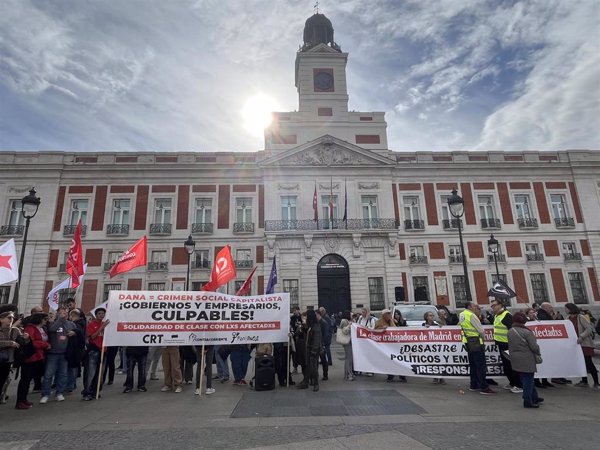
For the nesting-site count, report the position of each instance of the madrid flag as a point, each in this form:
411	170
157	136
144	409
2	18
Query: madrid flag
9	270
223	270
134	257
75	257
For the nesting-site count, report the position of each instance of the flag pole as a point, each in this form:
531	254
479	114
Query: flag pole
202	366
287	374
100	373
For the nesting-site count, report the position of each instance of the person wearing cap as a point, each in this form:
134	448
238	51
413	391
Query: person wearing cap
383	323
524	353
95	345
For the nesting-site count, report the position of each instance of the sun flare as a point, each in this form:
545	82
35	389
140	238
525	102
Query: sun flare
257	113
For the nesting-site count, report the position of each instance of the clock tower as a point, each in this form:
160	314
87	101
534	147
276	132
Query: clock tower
320	78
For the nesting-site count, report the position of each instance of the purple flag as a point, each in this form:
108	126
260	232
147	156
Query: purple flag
272	278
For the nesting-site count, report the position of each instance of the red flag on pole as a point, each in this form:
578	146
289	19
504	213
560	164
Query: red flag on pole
74	265
134	257
223	270
331	203
315	205
245	289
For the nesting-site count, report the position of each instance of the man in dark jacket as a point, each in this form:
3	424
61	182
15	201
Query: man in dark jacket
312	350
75	349
326	338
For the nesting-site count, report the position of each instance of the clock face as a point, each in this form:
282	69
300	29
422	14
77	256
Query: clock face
323	82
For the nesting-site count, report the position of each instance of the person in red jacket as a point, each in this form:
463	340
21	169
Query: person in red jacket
36	329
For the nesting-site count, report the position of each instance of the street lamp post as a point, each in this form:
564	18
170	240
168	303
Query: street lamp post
494	248
456	205
29	208
190	246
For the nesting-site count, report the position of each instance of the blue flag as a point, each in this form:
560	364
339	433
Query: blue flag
272	278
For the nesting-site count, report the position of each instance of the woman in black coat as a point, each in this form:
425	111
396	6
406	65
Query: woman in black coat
312	351
75	349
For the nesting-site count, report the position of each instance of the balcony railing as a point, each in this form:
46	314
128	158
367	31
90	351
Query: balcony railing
12	230
325	224
527	223
160	229
244	264
455	259
158	266
499	257
572	256
564	222
534	257
451	224
202	228
243	227
69	230
414	225
117	229
201	264
490	223
418	260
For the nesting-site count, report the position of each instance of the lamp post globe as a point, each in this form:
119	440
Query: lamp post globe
190	246
29	208
456	204
494	248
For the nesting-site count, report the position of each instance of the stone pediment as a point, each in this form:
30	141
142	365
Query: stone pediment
321	48
327	151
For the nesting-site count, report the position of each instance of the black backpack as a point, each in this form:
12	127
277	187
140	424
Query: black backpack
26	350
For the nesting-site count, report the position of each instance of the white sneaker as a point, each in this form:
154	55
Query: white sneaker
165	389
60	398
508	387
44	400
178	389
210	391
516	390
197	391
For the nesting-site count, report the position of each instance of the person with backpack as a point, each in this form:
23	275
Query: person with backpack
585	338
35	363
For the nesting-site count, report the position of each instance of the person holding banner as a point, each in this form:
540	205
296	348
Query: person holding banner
345	329
503	323
524	353
172	369
209	352
473	339
585	333
312	350
95	347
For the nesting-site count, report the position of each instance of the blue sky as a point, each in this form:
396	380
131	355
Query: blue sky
175	75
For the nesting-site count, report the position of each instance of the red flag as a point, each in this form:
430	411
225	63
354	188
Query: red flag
134	257
245	289
331	204
223	270
75	257
315	205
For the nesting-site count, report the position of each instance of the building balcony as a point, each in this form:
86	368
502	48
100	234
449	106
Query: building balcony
527	223
160	229
534	257
69	230
564	222
455	259
244	264
417	260
12	230
201	264
451	224
117	229
414	225
326	224
499	257
572	257
158	266
202	228
243	227
487	224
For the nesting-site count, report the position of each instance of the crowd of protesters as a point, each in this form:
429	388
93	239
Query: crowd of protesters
52	351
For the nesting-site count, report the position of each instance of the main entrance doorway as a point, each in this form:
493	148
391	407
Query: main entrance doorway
333	283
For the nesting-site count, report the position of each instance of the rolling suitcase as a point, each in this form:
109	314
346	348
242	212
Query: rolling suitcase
264	373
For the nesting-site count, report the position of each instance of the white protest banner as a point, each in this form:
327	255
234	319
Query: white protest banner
438	351
149	318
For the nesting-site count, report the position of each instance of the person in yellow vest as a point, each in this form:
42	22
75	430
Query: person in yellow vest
473	338
502	323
